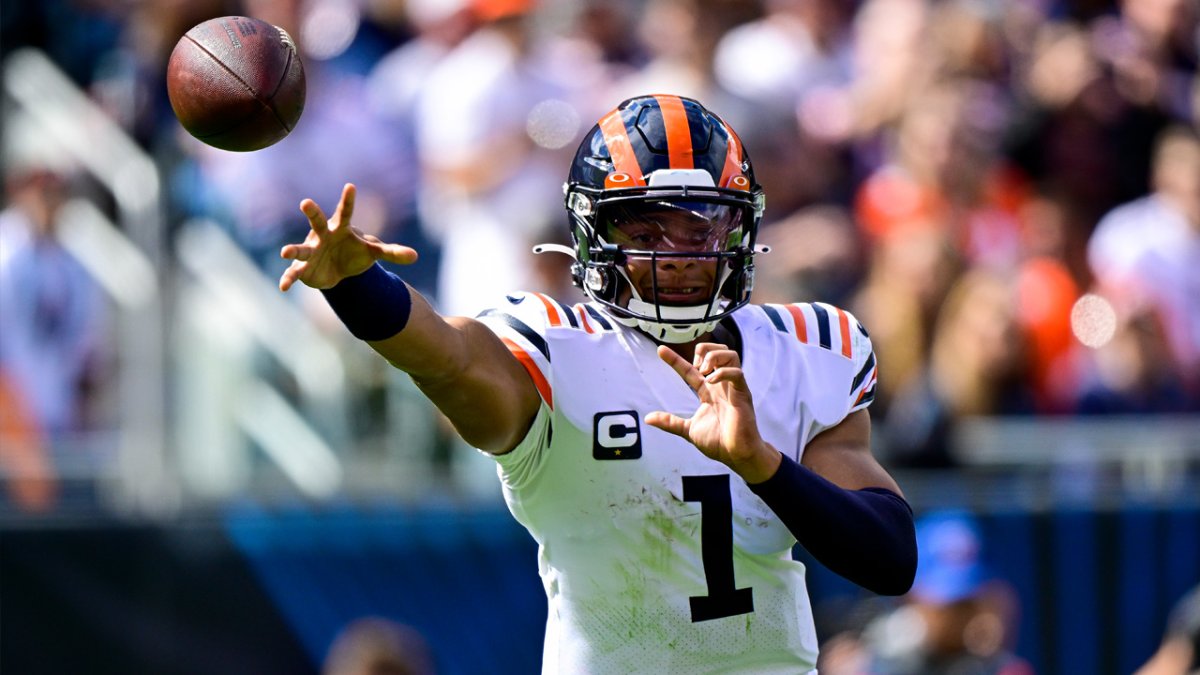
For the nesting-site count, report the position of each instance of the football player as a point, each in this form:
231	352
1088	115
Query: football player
666	443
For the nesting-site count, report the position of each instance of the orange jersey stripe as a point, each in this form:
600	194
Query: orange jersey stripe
583	317
801	325
845	324
617	139
733	158
535	373
551	310
679	134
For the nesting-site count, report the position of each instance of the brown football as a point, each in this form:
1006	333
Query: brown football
236	83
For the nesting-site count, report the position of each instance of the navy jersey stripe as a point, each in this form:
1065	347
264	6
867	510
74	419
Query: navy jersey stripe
598	317
773	315
822	325
567	311
525	331
862	374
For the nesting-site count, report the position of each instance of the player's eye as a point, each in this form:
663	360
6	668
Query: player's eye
644	239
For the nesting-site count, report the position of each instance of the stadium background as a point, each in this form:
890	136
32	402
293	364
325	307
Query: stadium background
204	475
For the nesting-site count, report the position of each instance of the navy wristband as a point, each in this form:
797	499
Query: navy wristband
374	305
867	535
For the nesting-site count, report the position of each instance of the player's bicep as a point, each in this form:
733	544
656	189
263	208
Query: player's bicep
494	396
842	455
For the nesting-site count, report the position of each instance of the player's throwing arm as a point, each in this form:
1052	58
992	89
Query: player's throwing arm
464	369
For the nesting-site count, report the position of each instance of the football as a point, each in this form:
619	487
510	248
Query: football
236	83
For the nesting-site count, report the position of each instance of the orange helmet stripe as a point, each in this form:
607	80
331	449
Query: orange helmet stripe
678	132
619	147
733	157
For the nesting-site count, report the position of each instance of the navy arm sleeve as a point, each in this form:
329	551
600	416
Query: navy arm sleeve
867	535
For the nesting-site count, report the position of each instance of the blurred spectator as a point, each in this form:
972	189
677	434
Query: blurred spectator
1164	220
815	253
31	484
1133	372
1046	292
378	646
1179	653
944	171
1150	248
958	618
492	123
53	310
798	46
977	366
905	286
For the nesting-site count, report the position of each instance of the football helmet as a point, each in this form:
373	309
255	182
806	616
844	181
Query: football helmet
664	211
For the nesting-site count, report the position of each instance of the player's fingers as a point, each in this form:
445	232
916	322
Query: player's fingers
395	253
345	209
716	357
290	275
316	217
391	252
669	423
732	375
680	365
705	348
296	252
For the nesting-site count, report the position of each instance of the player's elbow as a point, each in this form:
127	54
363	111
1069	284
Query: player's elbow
898	582
898	566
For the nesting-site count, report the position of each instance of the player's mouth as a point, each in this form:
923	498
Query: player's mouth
681	295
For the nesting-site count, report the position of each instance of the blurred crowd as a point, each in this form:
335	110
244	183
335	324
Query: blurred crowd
1006	193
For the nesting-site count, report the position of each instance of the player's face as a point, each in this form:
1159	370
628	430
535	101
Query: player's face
673	228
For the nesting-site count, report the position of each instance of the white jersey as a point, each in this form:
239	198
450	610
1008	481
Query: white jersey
654	558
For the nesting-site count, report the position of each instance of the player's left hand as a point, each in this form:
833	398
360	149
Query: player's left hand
724	427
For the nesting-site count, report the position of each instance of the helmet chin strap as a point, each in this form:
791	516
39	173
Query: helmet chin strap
680	324
667	332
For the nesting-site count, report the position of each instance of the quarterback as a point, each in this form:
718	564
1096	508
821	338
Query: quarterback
666	443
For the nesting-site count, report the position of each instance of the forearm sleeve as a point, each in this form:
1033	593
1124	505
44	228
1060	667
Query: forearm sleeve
867	535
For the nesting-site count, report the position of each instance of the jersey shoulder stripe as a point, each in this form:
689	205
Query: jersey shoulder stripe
555	314
535	372
800	321
835	330
521	328
866	396
823	332
867	369
562	310
525	343
776	320
795	324
599	318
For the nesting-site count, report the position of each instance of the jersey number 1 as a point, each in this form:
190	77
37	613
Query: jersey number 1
716	548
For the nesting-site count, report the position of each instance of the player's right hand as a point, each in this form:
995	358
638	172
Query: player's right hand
333	250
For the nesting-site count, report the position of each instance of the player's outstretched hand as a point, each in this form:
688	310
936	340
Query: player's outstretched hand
334	250
724	427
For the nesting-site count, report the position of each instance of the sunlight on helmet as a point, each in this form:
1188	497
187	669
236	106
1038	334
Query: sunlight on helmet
1093	320
552	124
